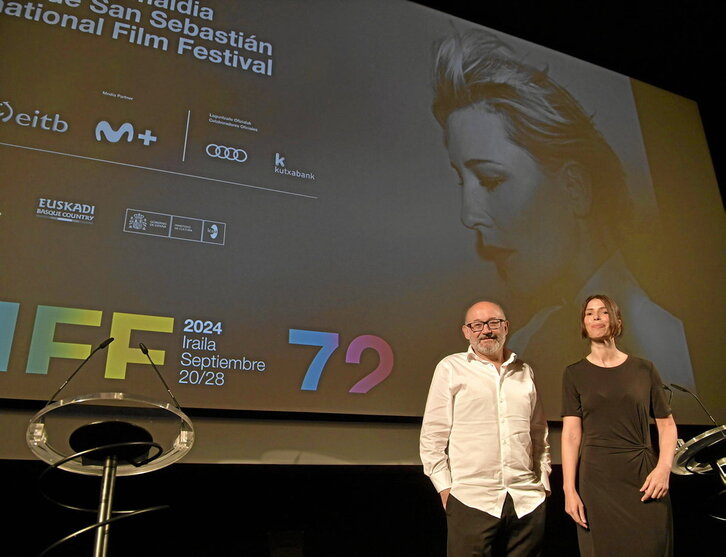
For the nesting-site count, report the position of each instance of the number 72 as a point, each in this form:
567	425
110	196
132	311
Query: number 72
328	343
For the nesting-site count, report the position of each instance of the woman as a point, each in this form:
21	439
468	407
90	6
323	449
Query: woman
548	199
622	507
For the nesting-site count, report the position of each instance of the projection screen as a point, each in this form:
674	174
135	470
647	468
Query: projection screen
261	194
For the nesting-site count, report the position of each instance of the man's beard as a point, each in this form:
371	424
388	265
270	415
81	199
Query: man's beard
489	348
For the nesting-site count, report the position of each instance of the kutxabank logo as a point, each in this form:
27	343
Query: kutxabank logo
281	168
35	119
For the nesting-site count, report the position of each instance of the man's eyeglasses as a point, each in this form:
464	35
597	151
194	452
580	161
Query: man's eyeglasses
478	326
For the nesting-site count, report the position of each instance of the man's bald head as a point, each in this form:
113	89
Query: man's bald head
483	307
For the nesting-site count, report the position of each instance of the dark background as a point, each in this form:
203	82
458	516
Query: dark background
350	511
289	511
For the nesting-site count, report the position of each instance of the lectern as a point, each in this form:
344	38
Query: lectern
108	435
705	453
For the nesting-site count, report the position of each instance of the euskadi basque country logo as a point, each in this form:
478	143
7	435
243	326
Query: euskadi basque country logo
222	152
66	211
125	132
34	119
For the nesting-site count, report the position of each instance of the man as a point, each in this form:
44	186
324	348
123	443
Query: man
484	444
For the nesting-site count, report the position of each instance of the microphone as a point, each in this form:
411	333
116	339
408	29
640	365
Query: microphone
684	390
146	353
105	343
101	346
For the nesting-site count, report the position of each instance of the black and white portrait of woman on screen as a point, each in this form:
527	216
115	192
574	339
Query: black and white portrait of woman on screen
549	199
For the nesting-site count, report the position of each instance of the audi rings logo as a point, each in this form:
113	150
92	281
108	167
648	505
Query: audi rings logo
226	153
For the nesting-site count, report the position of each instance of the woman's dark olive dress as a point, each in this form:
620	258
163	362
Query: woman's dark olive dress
616	405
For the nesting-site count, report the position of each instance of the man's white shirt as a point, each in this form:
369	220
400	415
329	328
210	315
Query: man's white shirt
484	434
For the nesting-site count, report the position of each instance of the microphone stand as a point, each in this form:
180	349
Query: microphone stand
146	353
684	390
101	346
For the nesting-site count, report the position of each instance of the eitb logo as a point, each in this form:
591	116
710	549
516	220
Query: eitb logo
35	119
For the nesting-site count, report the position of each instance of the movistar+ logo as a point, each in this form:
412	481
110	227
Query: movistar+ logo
104	131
